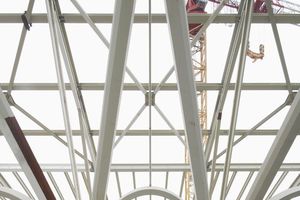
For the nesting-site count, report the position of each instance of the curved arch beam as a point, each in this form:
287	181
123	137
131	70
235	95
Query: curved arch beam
12	194
150	191
288	194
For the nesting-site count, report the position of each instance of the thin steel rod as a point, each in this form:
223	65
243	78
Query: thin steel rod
37	122
231	181
4	181
70	183
90	22
163	81
118	184
135	80
296	182
80	107
169	124
227	74
150	91
182	184
213	184
208	22
277	184
279	46
72	74
216	145
24	186
104	40
62	92
254	128
167	181
245	185
129	125
134	181
237	94
56	187
87	180
20	48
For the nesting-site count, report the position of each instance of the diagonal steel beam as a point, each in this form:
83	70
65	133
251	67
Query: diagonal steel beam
74	82
208	22
62	92
227	74
123	17
22	151
176	16
279	149
279	46
20	48
237	93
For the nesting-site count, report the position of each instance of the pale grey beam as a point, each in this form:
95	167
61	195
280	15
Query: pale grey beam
4	182
56	187
230	182
156	18
227	73
19	108
213	184
178	29
245	185
70	183
160	167
237	93
278	44
120	35
296	182
278	151
254	127
57	51
278	183
20	48
23	185
118	184
164	87
77	94
262	132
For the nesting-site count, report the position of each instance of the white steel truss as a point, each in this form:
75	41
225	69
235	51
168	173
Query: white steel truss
90	171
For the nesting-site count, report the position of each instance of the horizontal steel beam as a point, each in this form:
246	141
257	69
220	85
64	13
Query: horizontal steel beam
264	132
246	167
156	18
166	86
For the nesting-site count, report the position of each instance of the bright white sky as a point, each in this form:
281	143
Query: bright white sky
37	66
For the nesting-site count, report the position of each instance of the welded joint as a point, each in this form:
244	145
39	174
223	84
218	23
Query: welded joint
290	98
10	99
151	100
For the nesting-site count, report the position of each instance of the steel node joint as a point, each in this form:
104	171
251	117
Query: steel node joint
150	100
10	99
290	98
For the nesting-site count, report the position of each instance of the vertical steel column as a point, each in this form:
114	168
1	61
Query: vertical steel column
237	94
278	151
178	26
22	151
62	92
122	21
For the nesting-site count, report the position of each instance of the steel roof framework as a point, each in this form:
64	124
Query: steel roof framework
182	59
